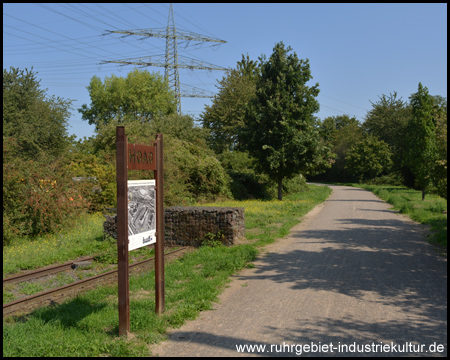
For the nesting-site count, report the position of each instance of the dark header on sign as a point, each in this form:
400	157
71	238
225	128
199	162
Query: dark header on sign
141	157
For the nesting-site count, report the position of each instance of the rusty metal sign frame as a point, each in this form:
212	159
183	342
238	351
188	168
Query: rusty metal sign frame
138	157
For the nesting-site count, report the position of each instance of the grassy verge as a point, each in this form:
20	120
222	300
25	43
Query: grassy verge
88	324
409	202
84	238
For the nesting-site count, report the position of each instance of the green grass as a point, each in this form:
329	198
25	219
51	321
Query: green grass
272	219
84	238
88	324
409	202
29	288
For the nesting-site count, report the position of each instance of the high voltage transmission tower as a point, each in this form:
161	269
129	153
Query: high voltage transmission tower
171	61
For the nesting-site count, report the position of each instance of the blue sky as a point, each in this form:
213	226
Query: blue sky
357	52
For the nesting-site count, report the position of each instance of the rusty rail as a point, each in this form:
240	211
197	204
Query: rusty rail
44	271
54	296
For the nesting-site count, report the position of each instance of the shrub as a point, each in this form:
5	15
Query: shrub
369	158
213	240
394	178
102	191
439	177
192	173
38	197
245	182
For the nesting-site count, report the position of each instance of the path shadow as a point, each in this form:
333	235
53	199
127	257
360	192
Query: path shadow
355	200
350	330
387	257
370	340
70	313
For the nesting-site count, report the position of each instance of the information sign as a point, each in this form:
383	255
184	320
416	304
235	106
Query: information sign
141	213
140	216
141	157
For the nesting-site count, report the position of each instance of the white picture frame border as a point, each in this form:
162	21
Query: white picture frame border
136	241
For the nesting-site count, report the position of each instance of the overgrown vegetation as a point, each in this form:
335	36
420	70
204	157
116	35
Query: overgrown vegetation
88	324
432	211
258	142
48	182
416	137
38	195
83	237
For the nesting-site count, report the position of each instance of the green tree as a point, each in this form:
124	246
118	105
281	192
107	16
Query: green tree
388	120
35	121
340	133
226	115
421	153
140	96
280	129
191	170
439	175
38	193
368	158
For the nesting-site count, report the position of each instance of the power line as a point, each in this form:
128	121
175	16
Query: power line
123	21
343	102
84	49
69	17
61	49
140	13
50	31
171	61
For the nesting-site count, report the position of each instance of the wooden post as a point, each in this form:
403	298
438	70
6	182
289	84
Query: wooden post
122	230
159	246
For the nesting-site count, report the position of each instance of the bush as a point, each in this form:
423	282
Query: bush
245	182
295	185
439	177
101	192
394	178
192	173
213	240
369	158
38	197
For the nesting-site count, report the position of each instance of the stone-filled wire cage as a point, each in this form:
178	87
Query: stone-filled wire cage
191	225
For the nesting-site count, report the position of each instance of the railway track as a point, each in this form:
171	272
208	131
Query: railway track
44	271
57	295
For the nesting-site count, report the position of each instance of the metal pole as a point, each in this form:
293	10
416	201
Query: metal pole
159	246
122	230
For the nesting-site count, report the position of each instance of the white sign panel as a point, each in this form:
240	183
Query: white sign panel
141	213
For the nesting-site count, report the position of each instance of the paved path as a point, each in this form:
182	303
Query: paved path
351	273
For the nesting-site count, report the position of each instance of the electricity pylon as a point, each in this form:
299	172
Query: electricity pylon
171	61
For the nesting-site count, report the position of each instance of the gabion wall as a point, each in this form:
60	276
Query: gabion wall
192	225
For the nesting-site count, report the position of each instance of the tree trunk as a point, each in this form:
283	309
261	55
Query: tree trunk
423	195
280	189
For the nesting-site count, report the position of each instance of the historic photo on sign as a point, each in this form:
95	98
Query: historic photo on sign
141	213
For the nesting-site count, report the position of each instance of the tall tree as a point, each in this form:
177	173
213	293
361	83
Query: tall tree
388	120
280	129
421	154
440	171
34	121
140	96
341	133
226	115
368	158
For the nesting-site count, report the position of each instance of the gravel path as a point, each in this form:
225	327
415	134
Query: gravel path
353	275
